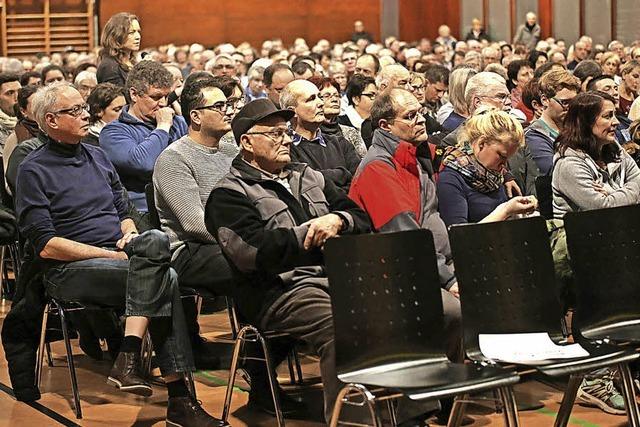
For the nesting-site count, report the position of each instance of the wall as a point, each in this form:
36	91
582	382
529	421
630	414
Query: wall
215	21
421	18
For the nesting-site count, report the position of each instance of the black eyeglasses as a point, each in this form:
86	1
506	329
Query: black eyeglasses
222	107
274	135
75	111
371	96
327	96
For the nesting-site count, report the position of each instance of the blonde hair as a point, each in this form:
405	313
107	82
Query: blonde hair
608	55
457	83
490	125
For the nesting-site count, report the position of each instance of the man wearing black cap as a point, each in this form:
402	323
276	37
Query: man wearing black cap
271	218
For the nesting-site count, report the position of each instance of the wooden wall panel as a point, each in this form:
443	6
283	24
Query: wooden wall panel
420	18
215	21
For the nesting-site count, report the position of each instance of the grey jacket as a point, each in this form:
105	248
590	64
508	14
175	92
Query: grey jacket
575	174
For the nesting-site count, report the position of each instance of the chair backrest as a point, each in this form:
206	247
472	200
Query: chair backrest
544	193
506	279
154	218
604	250
385	298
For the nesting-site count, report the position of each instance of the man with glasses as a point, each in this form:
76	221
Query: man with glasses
335	157
71	209
183	177
272	218
557	88
398	194
144	129
224	65
276	77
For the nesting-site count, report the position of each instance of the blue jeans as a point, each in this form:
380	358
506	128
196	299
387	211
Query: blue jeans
143	285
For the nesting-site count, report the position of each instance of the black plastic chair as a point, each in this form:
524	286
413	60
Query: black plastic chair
389	334
507	285
604	248
544	193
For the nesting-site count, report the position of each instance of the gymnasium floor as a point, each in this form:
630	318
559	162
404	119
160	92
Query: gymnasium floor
102	405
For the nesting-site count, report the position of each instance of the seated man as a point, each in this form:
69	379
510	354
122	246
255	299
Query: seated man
71	208
183	178
271	218
392	186
334	157
145	127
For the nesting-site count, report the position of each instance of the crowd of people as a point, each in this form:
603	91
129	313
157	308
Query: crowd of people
255	155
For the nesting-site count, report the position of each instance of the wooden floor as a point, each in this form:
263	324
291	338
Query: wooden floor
102	405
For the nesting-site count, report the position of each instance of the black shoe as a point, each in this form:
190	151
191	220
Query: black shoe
113	345
91	346
206	354
126	375
260	398
186	411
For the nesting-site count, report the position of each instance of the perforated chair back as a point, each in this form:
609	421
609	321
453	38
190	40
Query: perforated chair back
544	193
506	279
385	298
154	218
604	247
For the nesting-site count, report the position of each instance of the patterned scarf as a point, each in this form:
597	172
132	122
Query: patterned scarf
462	160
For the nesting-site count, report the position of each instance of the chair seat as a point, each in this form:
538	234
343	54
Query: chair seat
621	333
600	356
434	380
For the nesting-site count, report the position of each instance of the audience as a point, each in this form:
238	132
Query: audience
419	134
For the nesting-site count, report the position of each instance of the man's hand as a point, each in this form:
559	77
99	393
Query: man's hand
512	188
164	118
120	244
454	290
321	229
120	255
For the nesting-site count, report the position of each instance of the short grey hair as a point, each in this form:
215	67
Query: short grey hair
288	98
44	101
482	83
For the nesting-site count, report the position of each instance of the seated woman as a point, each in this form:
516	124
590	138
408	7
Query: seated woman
471	183
591	171
105	103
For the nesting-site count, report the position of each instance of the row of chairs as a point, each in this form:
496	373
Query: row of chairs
387	309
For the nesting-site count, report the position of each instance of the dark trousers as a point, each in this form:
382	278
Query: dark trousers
144	285
306	315
201	266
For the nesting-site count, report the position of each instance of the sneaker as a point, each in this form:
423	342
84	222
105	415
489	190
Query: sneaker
126	375
601	392
186	411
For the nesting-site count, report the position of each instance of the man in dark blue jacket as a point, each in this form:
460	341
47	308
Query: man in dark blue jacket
145	127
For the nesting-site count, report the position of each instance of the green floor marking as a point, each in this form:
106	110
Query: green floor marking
219	381
572	420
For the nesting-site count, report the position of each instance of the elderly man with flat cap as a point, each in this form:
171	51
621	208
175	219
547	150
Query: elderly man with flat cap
271	218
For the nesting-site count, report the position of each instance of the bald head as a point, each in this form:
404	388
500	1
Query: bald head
303	97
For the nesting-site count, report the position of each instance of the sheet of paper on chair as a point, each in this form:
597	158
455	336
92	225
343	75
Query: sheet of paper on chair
526	348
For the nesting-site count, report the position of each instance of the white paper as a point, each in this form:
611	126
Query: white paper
526	348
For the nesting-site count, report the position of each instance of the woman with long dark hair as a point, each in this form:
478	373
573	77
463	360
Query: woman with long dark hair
120	43
591	171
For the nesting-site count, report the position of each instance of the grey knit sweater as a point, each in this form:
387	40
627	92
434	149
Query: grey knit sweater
183	177
575	174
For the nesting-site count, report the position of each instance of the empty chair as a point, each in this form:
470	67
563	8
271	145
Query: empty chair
388	321
507	285
604	247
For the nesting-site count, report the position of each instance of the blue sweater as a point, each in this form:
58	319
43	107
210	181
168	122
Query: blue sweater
69	191
133	147
540	140
459	203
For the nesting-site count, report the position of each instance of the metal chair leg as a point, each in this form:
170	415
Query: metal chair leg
41	346
273	381
296	360
628	391
392	412
511	418
47	347
3	282
232	372
191	383
146	353
233	318
457	411
292	374
72	368
568	400
367	397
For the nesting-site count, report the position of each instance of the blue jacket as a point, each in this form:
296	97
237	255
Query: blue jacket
540	142
133	147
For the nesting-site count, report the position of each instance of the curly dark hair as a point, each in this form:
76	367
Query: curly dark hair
148	73
101	97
